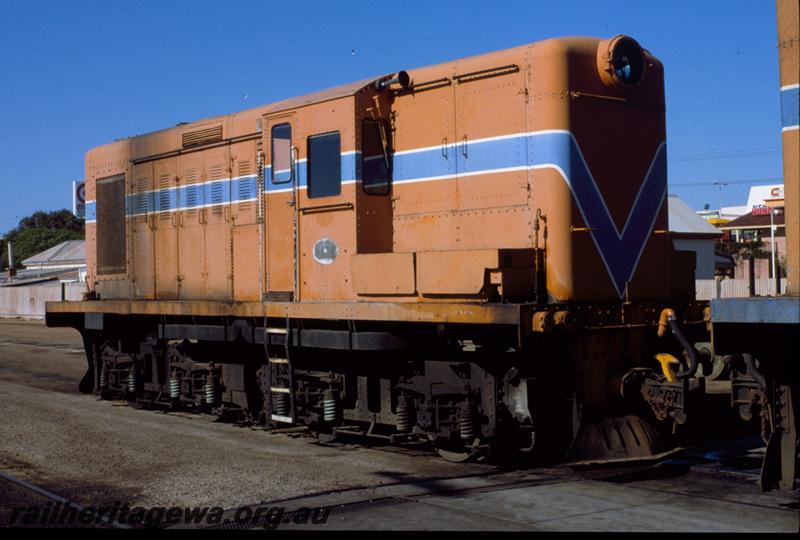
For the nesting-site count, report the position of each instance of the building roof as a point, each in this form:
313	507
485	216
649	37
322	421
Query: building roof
65	253
749	221
683	221
732	212
31	277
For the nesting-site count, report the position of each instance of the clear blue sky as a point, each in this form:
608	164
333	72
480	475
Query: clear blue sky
78	74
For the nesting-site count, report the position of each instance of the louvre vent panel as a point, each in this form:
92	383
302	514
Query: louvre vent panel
193	194
164	201
246	185
216	190
202	136
216	193
141	199
216	172
111	224
247	190
164	195
190	177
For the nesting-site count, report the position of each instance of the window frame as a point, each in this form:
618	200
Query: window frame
390	152
272	153
310	164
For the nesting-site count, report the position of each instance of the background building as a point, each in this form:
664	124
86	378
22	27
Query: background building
54	274
690	232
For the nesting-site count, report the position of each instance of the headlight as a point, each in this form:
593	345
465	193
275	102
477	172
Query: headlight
620	60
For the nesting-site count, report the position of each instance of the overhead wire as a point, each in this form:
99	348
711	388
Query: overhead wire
726	154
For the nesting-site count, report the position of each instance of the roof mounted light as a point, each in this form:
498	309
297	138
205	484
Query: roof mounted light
620	60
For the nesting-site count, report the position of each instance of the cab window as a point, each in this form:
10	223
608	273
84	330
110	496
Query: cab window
376	157
324	165
281	153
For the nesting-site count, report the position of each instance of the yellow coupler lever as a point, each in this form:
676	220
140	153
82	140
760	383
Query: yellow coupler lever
665	360
663	321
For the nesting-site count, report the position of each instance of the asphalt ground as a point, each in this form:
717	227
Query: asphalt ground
105	454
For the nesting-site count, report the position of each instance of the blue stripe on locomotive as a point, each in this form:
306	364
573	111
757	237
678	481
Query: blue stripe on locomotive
556	149
790	107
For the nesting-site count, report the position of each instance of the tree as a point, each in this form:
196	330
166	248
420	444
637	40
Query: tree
741	251
41	231
58	219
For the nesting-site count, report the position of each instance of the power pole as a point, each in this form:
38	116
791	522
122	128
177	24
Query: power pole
720	184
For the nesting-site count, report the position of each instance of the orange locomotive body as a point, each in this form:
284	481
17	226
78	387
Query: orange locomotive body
441	252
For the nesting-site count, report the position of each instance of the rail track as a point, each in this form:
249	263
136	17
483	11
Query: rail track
717	482
54	519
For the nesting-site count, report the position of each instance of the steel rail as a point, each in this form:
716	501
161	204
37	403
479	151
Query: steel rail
57	498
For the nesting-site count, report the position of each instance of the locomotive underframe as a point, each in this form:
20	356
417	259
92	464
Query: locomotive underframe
764	378
522	382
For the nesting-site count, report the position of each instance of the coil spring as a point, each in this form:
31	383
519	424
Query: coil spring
211	391
466	421
174	387
104	377
281	404
132	381
329	406
403	414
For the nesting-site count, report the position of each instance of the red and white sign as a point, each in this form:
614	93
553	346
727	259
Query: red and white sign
764	210
79	198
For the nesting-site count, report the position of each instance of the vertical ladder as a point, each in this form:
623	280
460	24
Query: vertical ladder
280	377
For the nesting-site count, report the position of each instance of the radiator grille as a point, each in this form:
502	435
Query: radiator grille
202	136
111	224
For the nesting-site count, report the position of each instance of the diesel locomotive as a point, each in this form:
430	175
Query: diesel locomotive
474	254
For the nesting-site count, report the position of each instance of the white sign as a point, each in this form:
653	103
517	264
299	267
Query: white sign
776	192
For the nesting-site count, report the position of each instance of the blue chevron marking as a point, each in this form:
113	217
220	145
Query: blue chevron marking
620	250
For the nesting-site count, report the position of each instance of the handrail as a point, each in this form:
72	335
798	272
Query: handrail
327	208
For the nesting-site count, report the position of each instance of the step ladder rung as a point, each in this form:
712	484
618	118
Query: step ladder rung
278	361
275	330
284	419
279	390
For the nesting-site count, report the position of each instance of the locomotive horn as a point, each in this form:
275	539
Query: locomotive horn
401	77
